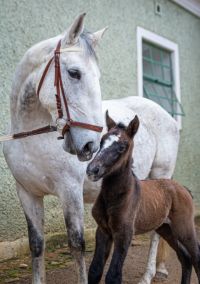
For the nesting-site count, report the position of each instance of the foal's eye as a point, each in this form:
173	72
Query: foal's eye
75	74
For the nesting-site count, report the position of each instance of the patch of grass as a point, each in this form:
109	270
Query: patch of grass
55	241
57	255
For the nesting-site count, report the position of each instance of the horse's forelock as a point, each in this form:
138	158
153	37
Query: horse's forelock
85	40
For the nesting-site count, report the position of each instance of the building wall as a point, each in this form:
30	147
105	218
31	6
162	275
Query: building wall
25	22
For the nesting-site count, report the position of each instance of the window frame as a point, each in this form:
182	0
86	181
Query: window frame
145	35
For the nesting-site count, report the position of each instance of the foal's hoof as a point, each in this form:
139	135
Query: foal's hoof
160	276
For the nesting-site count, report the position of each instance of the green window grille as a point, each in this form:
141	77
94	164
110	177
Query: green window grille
158	82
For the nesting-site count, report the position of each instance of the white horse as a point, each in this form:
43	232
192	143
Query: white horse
39	164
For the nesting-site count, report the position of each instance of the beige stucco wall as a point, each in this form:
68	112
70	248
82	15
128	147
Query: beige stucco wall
26	22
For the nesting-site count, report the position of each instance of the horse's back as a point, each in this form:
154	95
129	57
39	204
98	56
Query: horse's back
149	111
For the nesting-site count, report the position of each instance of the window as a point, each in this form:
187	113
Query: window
158	72
158	78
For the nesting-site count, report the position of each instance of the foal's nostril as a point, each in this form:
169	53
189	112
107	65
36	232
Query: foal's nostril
88	147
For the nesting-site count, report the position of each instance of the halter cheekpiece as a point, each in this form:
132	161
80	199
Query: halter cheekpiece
60	96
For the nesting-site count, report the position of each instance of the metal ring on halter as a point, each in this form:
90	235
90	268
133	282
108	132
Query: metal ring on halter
61	123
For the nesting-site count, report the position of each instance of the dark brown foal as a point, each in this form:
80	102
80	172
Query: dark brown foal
127	206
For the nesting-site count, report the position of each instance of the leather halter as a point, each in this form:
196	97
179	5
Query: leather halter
59	87
60	96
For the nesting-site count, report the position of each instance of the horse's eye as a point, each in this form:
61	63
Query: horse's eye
75	74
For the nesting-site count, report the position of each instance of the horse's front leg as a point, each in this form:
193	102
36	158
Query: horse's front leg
34	213
122	240
72	203
151	264
102	250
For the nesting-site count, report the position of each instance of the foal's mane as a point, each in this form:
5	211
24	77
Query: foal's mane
121	125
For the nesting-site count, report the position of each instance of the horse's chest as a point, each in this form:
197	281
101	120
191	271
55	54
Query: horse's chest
39	167
110	217
32	173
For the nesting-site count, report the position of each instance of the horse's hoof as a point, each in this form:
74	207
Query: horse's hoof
160	276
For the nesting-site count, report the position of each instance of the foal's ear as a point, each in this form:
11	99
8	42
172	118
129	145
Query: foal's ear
133	127
74	31
109	121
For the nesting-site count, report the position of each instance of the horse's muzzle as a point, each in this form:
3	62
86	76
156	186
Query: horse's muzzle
87	151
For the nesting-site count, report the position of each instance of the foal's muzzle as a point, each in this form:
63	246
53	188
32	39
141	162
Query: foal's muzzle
94	171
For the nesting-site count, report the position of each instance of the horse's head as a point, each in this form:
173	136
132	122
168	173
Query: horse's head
80	78
115	148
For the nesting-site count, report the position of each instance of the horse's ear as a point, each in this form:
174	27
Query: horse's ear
133	127
97	36
109	121
74	31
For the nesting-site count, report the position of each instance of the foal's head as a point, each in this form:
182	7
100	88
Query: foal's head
115	148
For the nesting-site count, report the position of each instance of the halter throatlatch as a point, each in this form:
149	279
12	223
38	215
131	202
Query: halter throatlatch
63	124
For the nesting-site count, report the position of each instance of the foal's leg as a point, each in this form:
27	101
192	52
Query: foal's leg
193	248
72	203
151	264
34	212
102	250
122	240
185	259
187	236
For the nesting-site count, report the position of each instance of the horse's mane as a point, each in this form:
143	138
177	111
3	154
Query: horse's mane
41	52
37	53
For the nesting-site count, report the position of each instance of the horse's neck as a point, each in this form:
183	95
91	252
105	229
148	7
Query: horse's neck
26	110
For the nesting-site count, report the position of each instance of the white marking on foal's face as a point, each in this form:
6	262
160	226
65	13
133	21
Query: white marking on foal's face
109	141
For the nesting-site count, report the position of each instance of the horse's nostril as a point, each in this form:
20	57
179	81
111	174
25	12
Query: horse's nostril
96	170
88	147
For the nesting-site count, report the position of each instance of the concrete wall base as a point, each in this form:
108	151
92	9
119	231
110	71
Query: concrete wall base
20	247
13	249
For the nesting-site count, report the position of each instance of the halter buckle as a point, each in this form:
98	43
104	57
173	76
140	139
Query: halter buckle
63	125
60	124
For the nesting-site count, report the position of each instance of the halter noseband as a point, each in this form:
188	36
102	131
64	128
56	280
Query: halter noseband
63	124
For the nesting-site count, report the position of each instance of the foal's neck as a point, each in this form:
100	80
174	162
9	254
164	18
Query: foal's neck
120	180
